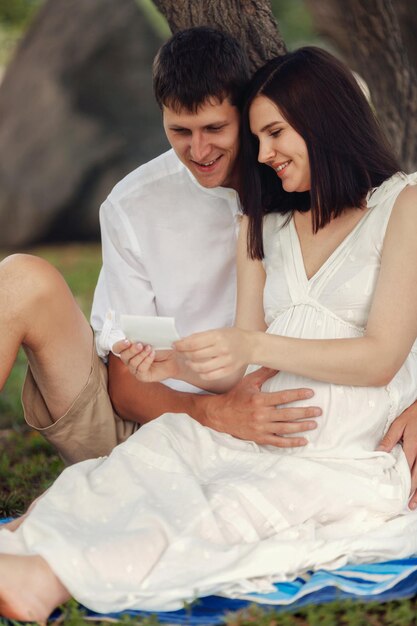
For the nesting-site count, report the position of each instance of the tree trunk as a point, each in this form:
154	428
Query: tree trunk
407	16
250	21
376	41
379	43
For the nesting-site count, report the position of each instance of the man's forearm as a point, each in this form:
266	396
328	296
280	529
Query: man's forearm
143	402
244	412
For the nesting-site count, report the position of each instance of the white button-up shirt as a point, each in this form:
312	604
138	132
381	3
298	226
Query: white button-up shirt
169	248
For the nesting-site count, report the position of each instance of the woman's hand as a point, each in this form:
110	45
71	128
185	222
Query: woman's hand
146	364
215	354
404	430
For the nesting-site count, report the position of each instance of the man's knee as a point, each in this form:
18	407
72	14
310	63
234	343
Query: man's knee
26	279
20	266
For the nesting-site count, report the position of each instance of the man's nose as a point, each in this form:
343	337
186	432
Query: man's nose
200	147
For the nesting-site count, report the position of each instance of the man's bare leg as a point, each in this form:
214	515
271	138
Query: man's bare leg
38	311
29	590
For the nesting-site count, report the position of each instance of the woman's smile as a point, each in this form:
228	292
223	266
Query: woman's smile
280	145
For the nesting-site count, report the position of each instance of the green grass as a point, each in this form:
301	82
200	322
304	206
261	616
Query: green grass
28	465
347	613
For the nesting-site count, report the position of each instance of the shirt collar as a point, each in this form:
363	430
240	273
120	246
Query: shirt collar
227	193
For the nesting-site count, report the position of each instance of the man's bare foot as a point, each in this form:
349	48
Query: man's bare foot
29	590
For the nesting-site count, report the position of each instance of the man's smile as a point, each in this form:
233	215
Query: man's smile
207	164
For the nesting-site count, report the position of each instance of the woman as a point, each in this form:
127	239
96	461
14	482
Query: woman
179	509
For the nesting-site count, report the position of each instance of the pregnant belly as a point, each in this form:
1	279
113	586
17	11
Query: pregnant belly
353	418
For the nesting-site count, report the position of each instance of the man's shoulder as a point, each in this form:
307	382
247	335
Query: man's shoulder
149	177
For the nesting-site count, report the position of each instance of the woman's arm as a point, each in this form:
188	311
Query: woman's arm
371	360
250	318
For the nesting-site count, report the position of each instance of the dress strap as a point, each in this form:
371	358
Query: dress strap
390	188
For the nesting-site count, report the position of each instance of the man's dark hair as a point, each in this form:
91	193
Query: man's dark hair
199	64
348	154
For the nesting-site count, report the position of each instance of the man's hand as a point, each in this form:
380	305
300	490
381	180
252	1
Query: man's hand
248	413
146	364
404	430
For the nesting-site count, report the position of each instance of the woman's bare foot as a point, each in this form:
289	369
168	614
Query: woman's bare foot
15	523
29	590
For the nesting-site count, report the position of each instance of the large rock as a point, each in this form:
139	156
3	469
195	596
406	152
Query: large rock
76	114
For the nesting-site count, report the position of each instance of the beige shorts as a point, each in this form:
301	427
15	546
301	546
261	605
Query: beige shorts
89	429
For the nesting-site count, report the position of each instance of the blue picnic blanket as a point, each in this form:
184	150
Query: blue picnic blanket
390	580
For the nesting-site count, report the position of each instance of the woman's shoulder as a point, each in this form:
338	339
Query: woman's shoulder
399	223
405	205
408	195
391	188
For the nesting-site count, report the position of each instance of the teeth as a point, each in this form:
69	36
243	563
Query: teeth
281	167
209	163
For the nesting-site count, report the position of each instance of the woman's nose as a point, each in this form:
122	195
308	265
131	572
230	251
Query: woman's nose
265	152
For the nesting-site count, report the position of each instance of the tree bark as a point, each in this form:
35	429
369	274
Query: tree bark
377	42
250	21
407	16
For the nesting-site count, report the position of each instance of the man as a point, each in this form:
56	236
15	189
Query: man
168	232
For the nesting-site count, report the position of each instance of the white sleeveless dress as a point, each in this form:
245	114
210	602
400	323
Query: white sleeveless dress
180	510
